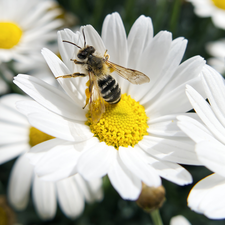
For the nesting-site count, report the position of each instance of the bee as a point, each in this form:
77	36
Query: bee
101	85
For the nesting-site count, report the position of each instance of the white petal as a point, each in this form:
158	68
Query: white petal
215	90
91	190
60	157
165	126
140	35
50	97
212	155
71	131
179	220
124	181
137	164
8	110
154	56
114	37
44	197
95	162
194	129
178	150
170	171
52	124
58	68
188	70
70	198
174	57
8	152
94	39
206	114
208	197
20	183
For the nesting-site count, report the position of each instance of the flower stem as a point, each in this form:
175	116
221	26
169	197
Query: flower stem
156	218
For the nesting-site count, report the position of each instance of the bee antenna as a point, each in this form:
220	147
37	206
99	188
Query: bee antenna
84	37
72	43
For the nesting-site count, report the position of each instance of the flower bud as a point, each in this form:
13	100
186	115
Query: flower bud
151	198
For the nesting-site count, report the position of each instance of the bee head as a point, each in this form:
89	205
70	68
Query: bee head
85	52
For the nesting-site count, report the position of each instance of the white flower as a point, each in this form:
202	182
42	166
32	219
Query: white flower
213	8
207	196
25	27
163	145
179	220
217	50
15	136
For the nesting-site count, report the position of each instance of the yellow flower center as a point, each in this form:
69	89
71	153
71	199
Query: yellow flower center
219	3
36	136
10	35
122	124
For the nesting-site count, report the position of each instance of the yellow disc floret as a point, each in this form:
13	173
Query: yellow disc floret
219	4
123	124
10	35
36	136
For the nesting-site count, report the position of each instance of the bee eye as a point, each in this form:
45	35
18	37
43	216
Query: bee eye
92	49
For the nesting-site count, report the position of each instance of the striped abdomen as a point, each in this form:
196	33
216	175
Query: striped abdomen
109	89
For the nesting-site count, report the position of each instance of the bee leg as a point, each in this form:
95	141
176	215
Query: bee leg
106	55
72	75
78	62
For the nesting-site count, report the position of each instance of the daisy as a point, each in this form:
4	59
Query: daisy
207	196
179	220
136	140
213	8
25	27
217	50
16	138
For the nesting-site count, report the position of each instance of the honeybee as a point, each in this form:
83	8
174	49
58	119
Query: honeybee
101	85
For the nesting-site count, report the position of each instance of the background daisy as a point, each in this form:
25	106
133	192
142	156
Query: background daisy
25	27
207	196
217	50
16	138
213	8
163	146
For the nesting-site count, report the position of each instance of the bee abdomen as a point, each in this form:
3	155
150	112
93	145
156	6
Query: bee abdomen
110	89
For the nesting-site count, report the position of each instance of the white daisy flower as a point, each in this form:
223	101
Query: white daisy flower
135	140
179	220
25	27
16	138
207	196
217	50
211	8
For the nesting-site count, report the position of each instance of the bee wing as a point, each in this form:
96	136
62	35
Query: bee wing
134	76
97	104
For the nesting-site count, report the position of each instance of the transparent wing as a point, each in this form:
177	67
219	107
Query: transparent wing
96	103
134	76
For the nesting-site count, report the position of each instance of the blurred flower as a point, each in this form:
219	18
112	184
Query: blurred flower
16	138
217	50
213	8
25	27
7	215
207	196
38	67
145	143
179	220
